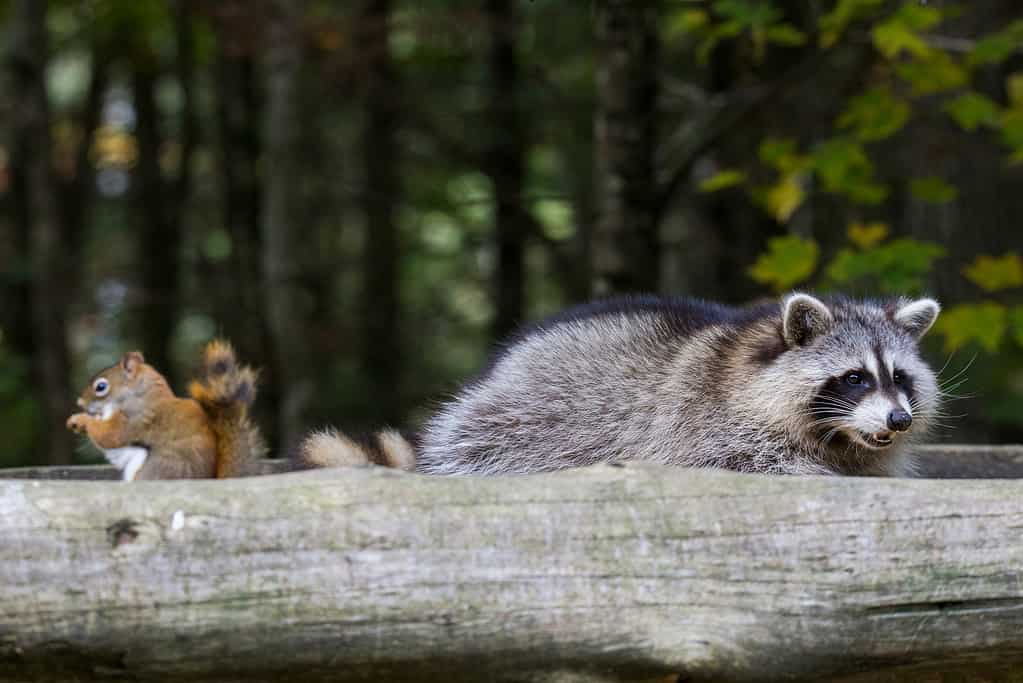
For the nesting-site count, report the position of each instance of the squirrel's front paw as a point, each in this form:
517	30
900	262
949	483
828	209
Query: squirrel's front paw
76	423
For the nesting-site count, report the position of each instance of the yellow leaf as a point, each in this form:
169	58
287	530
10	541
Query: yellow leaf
993	273
721	180
1014	88
784	198
867	235
984	323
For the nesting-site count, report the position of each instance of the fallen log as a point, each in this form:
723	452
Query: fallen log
605	573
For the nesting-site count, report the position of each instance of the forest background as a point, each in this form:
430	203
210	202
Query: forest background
365	195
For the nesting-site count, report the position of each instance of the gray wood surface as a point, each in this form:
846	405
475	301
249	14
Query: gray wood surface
607	573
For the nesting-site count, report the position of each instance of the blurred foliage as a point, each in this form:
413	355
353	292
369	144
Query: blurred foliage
920	74
824	181
19	412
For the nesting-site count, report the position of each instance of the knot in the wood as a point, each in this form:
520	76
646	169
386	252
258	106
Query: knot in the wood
122	531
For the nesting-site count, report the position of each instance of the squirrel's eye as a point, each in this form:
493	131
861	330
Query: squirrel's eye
898	377
854	378
100	387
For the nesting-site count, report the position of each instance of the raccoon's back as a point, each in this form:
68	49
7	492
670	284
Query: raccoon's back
596	383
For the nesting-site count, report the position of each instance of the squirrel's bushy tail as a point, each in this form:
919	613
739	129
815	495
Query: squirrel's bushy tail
226	390
331	448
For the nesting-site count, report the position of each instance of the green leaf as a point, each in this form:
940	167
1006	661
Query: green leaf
782	155
834	23
748	13
844	168
726	29
933	189
984	323
994	273
992	49
875	115
937	73
773	150
918	17
722	180
1016	324
890	39
896	267
1014	89
785	34
685	22
1011	124
900	32
997	47
971	110
789	260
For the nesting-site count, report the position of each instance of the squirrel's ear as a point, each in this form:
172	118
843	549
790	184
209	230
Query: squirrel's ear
130	362
804	318
916	317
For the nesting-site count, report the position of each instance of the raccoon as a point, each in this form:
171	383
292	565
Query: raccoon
801	386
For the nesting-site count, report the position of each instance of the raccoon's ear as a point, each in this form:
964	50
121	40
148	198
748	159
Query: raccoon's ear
917	316
804	318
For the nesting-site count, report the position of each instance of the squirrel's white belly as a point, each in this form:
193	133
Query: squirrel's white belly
128	459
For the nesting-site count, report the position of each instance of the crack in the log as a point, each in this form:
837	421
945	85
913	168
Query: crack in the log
953	607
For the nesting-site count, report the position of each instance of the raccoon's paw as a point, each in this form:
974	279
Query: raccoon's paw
330	448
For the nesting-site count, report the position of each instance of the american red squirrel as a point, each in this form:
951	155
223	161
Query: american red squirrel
133	416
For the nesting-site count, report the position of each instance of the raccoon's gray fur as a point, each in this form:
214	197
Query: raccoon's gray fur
801	387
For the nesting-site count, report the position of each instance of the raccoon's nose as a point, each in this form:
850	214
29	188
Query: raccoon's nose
899	420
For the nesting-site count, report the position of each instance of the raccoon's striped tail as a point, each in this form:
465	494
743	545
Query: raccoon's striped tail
225	390
331	448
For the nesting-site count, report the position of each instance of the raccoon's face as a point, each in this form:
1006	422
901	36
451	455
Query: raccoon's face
870	384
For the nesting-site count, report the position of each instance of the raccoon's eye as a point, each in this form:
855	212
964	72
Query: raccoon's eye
853	378
898	377
101	387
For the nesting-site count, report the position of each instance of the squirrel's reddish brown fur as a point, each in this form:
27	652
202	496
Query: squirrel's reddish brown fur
131	413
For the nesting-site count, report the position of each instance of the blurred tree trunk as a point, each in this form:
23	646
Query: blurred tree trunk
504	162
16	313
283	240
241	307
159	234
48	257
625	244
161	202
77	191
381	347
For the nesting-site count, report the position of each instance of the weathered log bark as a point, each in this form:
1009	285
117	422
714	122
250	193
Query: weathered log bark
612	572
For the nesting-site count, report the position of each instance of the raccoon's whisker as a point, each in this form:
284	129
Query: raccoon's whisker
952	386
959	373
829	400
955	397
945	366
